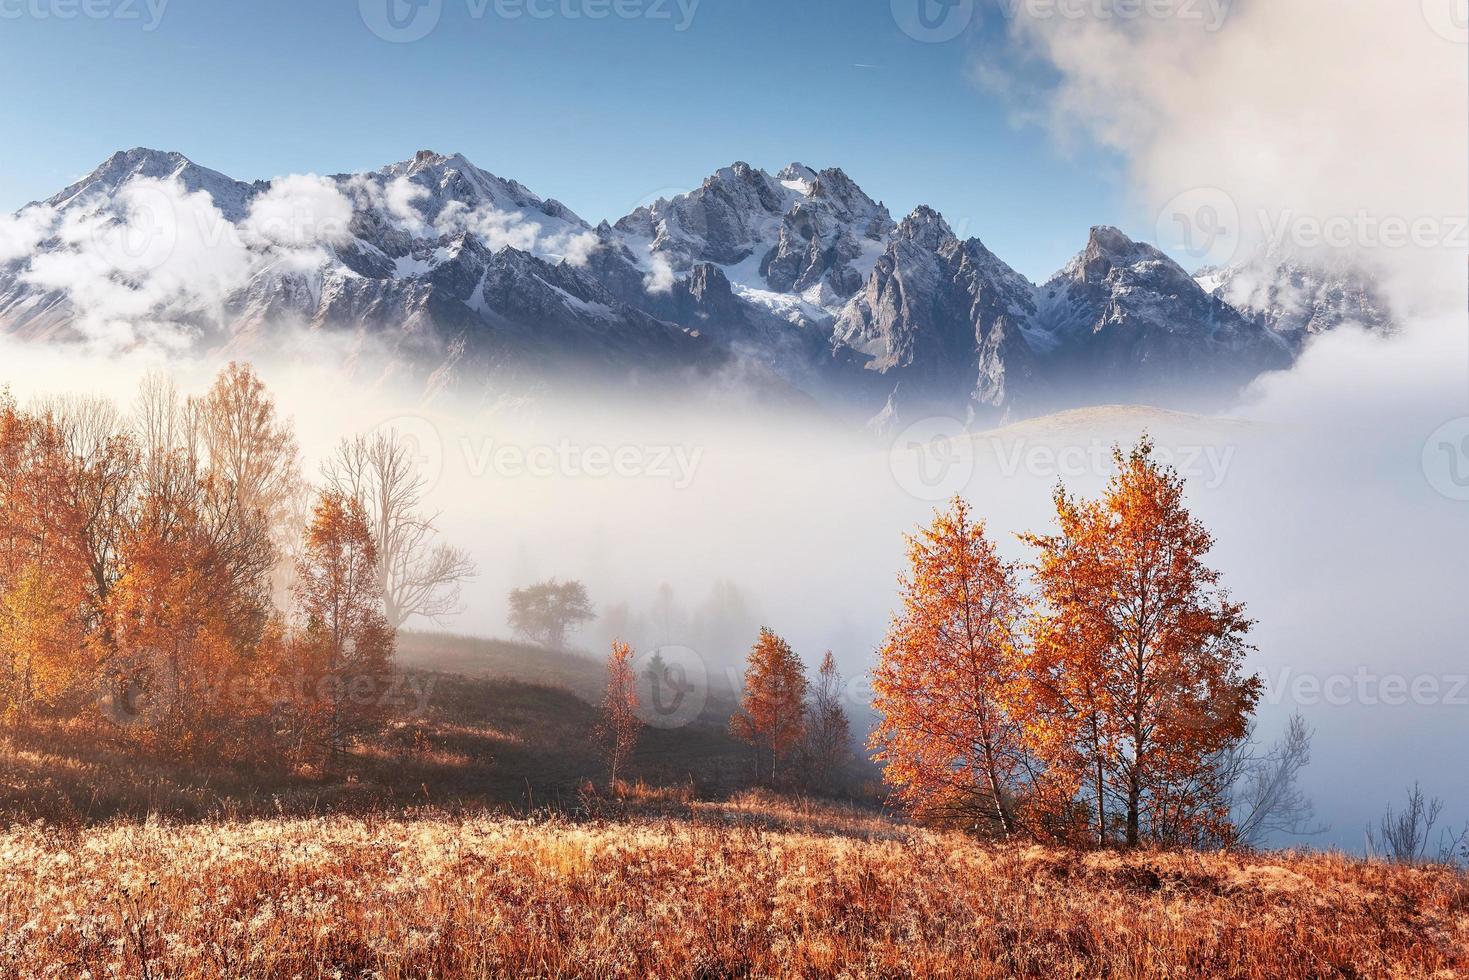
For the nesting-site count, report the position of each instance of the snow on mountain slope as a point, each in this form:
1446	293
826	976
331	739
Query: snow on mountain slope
1298	299
801	277
1122	320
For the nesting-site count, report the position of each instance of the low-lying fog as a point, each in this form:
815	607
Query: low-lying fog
1333	507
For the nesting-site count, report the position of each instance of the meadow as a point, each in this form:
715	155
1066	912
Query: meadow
482	843
750	887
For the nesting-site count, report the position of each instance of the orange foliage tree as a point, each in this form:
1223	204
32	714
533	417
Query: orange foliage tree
347	646
1139	653
772	713
189	610
951	683
620	724
44	570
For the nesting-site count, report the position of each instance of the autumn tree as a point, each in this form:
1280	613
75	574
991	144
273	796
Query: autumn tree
620	724
45	605
347	645
98	463
418	575
190	606
772	713
546	612
951	681
827	746
251	452
1139	653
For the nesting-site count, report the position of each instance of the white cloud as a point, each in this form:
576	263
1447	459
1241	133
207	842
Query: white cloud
21	233
143	269
298	211
579	248
660	277
1301	111
398	198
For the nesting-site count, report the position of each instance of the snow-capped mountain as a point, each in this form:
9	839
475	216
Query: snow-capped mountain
1298	300
800	284
1123	321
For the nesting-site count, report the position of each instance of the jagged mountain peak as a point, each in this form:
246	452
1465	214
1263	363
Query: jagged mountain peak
1108	249
797	177
230	195
925	227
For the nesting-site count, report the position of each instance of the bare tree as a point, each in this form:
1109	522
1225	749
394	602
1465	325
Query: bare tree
828	733
1261	785
419	575
1402	837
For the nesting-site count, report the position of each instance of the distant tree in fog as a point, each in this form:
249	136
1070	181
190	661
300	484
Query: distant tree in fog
828	743
546	612
1403	836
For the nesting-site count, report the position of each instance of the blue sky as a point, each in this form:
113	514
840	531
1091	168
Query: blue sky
599	113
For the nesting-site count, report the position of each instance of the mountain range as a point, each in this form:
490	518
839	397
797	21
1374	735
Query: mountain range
795	288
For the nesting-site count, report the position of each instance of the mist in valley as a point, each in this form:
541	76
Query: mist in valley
1331	502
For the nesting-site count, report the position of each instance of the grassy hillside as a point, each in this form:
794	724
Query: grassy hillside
750	887
505	726
471	844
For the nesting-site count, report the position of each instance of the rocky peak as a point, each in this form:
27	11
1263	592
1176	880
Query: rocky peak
230	196
926	228
1108	250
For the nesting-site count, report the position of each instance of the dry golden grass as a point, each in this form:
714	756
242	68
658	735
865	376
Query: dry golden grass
752	888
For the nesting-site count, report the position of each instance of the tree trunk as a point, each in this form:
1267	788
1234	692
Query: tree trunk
1007	826
1101	800
1134	794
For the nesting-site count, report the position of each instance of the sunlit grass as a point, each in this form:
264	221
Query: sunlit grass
752	887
